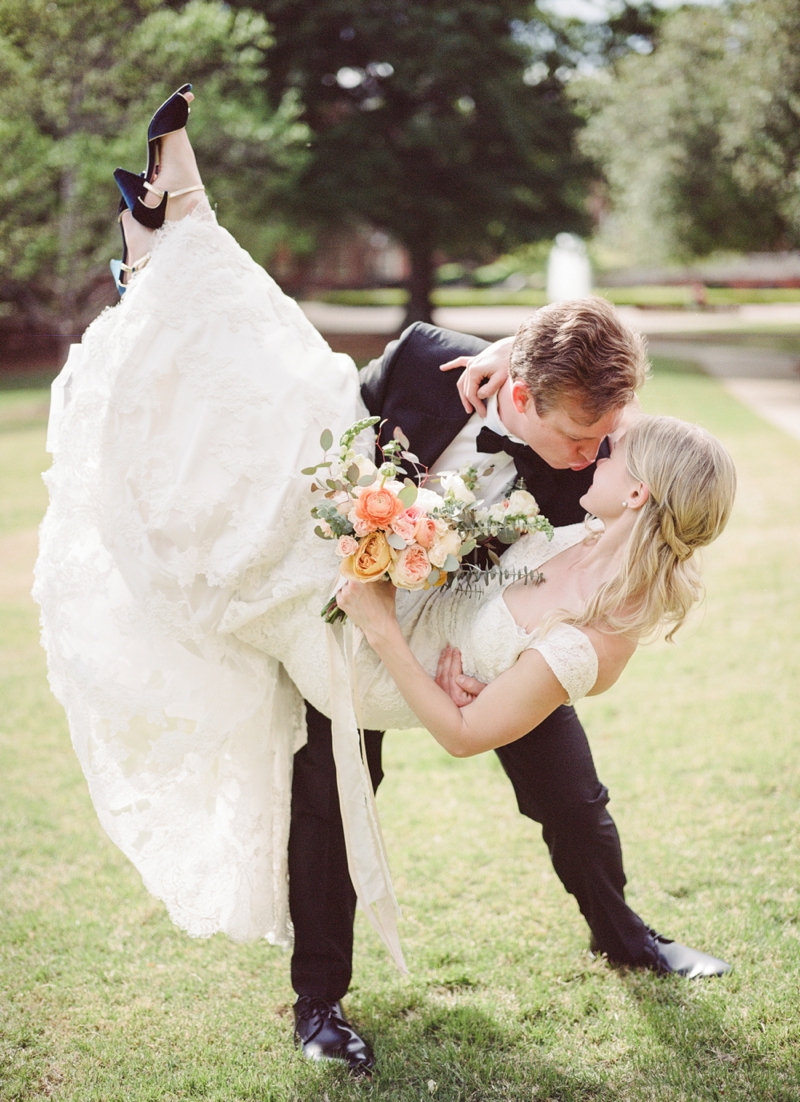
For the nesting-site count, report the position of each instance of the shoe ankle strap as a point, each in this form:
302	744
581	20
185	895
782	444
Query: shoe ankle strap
137	264
174	194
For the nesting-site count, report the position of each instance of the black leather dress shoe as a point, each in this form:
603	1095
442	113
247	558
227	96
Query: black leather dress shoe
321	1029
669	957
679	960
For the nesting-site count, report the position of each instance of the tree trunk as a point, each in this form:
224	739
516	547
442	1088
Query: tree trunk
420	283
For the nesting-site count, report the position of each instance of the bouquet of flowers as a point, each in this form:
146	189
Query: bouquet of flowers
386	526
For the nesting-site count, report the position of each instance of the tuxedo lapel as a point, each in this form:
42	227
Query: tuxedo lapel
407	389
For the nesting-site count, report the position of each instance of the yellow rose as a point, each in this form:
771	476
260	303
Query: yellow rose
371	561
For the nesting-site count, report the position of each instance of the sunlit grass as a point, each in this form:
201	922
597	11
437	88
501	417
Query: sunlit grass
103	999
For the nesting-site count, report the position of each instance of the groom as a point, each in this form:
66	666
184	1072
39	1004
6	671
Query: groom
574	369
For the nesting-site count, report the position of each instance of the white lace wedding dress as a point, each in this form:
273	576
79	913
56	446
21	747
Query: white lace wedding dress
180	586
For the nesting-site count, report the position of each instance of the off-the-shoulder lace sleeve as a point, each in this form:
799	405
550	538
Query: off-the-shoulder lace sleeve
571	657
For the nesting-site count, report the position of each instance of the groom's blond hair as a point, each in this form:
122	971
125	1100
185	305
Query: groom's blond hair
580	351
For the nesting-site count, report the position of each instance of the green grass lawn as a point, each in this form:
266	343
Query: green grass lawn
103	999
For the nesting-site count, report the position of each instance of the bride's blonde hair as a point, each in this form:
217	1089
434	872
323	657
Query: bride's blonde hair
692	483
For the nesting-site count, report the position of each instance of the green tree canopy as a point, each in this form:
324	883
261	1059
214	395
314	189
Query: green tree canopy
78	82
700	140
432	120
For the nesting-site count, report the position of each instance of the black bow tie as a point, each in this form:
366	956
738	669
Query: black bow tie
490	442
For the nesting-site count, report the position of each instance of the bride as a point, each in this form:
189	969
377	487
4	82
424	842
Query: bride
180	581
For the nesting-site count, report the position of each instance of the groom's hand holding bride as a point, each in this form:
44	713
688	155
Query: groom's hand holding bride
450	676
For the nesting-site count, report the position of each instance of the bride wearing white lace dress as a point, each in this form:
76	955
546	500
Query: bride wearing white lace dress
180	581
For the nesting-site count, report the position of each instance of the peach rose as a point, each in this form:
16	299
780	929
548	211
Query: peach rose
370	561
362	527
378	506
346	546
405	526
425	532
411	569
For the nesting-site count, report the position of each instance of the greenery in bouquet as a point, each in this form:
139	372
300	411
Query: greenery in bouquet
385	526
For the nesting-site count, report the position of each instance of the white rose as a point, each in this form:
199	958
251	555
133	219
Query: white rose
447	544
427	500
453	484
522	504
499	512
365	466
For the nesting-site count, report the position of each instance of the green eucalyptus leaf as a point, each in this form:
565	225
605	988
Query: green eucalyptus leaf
353	472
309	470
451	563
401	438
396	541
408	495
366	480
326	440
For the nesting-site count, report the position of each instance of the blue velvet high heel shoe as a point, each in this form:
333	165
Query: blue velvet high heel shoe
120	267
172	115
169	118
134	189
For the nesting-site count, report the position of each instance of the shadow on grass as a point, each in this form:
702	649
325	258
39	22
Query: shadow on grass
696	1051
460	1053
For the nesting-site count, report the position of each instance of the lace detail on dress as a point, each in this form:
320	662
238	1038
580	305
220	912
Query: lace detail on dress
175	487
572	658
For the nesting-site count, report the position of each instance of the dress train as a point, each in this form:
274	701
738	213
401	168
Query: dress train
186	416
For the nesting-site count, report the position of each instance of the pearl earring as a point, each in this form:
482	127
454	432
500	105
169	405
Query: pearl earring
624	505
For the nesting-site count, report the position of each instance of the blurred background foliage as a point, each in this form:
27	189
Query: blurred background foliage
78	80
699	142
469	132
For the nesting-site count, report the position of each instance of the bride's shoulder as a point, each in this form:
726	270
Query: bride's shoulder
613	654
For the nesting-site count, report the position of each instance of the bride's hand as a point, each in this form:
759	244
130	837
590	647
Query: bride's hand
484	375
370	605
461	689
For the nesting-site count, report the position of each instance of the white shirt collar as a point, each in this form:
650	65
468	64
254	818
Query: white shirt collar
492	420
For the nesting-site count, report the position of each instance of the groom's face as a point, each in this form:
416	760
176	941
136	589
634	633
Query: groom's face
562	436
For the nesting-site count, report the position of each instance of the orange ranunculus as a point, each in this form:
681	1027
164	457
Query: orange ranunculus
378	506
371	560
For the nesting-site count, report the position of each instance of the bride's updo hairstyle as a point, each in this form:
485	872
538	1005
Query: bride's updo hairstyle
692	483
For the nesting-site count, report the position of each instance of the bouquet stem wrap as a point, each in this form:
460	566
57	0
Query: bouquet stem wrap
366	851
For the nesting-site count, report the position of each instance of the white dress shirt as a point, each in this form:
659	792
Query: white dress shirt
462	451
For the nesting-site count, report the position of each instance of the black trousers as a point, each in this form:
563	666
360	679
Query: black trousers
555	783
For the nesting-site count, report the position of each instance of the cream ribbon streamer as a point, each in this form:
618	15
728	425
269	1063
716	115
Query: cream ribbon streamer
366	851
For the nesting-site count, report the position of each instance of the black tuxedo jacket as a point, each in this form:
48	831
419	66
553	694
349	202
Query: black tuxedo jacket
406	387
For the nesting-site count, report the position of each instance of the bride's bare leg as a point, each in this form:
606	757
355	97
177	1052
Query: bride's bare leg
177	170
